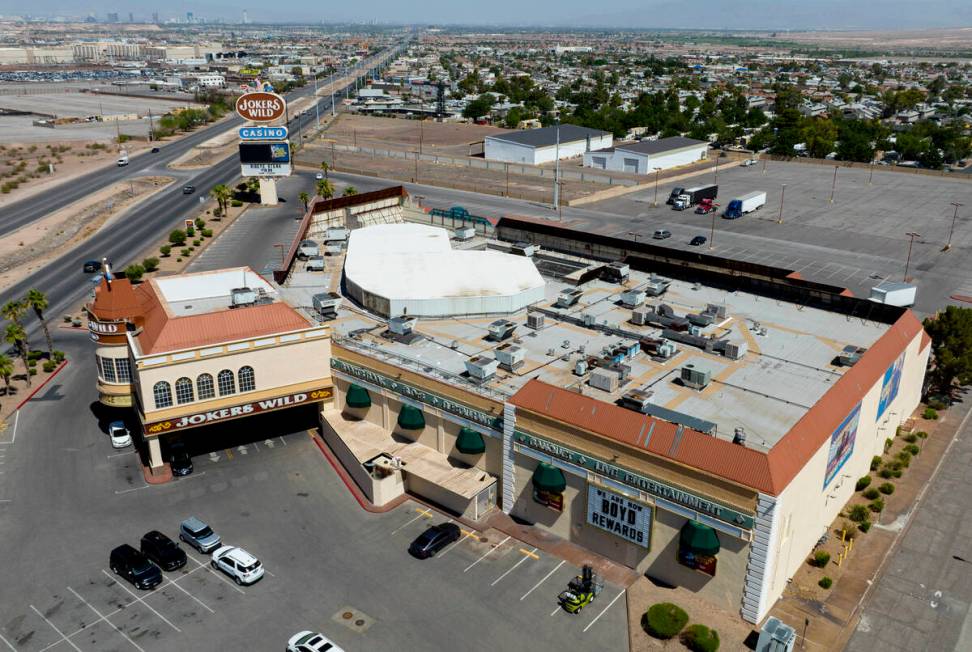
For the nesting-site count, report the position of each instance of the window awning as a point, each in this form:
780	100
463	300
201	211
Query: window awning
358	397
410	418
470	442
548	477
700	539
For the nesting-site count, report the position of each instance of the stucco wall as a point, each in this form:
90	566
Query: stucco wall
614	161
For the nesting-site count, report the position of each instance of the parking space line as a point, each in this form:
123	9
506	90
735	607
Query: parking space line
555	611
530	553
465	535
104	618
126	491
486	554
590	624
217	574
175	584
545	578
423	513
142	600
527	555
54	627
7	643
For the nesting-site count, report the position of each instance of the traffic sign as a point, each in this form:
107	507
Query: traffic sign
263	133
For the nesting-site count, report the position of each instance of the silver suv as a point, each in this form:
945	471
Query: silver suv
198	535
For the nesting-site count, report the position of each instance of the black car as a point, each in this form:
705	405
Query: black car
188	189
698	241
134	567
155	150
92	266
434	539
163	551
179	459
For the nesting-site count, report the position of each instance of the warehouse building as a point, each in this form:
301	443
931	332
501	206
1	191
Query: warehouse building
646	156
539	146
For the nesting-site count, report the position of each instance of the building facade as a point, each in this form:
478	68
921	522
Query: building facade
646	156
539	146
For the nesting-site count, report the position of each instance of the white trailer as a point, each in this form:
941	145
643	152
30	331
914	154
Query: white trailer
894	294
747	203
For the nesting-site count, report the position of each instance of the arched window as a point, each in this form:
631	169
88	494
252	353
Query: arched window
183	388
163	394
247	381
227	383
204	387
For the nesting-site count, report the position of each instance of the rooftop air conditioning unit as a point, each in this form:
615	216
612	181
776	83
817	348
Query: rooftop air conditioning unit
535	320
510	356
523	249
402	325
501	329
336	234
696	378
242	297
632	298
567	298
481	367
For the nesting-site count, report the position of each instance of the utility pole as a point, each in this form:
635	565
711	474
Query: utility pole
833	186
655	203
712	232
151	127
332	102
870	173
556	195
317	103
716	181
782	195
421	135
912	235
948	245
507	165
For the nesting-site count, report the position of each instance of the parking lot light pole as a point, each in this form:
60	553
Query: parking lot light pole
833	186
912	235
782	195
948	245
712	231
655	203
870	173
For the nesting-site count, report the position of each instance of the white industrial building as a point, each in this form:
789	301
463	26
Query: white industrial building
645	156
538	146
412	269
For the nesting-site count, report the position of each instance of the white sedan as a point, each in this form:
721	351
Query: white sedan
319	176
119	435
308	641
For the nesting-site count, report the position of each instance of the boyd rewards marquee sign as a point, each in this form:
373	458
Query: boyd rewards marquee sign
621	517
236	411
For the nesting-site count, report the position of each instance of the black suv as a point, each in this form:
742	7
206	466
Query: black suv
179	459
434	539
163	551
134	567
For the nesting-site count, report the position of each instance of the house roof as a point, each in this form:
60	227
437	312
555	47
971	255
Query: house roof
547	136
660	146
115	301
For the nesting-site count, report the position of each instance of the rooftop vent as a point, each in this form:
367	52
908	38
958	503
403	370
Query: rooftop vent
501	329
568	298
739	436
402	325
481	367
242	297
535	320
850	355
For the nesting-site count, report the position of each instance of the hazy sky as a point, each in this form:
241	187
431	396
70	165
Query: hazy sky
731	14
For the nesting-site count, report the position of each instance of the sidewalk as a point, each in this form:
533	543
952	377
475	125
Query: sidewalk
832	620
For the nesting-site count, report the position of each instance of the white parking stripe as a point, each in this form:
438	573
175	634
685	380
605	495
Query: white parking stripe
138	599
590	624
204	605
486	554
104	618
497	580
422	514
555	611
465	536
217	574
54	627
545	578
7	643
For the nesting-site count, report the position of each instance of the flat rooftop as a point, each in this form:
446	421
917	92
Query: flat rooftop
788	360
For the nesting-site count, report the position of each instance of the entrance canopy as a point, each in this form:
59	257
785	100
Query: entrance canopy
699	538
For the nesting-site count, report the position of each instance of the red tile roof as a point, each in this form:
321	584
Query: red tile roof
767	472
116	300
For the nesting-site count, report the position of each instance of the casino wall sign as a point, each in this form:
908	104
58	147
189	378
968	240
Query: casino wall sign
261	107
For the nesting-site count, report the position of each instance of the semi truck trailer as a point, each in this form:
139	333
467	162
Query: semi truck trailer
745	204
692	196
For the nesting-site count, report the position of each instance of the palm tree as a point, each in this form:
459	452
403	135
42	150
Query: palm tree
6	370
324	168
222	194
350	190
38	301
305	199
13	311
16	335
325	188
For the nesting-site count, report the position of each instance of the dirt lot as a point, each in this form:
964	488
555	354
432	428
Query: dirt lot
444	138
930	39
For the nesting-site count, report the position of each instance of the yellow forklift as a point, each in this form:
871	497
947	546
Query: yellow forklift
581	591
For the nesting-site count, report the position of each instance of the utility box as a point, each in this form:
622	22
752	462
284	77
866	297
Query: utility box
510	356
604	379
568	298
639	317
402	325
501	329
776	636
481	367
464	233
632	298
695	377
535	320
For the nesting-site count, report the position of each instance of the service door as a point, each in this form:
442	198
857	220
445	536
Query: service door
631	165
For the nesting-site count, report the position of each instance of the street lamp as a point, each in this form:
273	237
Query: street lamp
782	195
948	245
833	186
912	235
556	194
634	235
655	203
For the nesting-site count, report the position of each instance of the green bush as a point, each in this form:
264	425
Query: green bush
858	513
904	457
922	434
937	404
848	529
236	203
862	483
49	366
665	620
190	231
177	237
34	356
185	253
887	444
886	473
196	243
864	527
178	260
58	356
877	505
700	638
32	371
875	462
150	264
930	413
165	250
207	233
217	212
134	272
896	473
911	438
200	222
912	449
886	488
825	582
820	558
871	493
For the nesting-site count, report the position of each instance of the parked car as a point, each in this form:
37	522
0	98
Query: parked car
243	567
163	551
434	539
749	162
661	234
188	189
307	249
91	266
120	438
698	241
319	176
135	567
155	150
308	641
315	264
198	535
179	459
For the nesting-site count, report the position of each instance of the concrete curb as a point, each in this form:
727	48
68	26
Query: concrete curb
350	484
162	478
39	387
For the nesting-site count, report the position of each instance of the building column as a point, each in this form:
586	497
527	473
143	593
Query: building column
385	418
155	454
440	434
509	472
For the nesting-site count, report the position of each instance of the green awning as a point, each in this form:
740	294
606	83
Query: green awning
411	418
470	442
548	477
358	397
699	538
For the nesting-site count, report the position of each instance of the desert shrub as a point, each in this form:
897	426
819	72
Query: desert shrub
871	493
910	438
207	233
190	231
820	558
165	250
236	203
49	366
34	356
937	404
862	483
177	237
858	513
134	272
200	222
864	527
825	582
847	528
150	264
877	505
904	457
185	253
875	462
700	638
58	356
665	620
887	444
930	413
196	243
912	449
922	434
886	488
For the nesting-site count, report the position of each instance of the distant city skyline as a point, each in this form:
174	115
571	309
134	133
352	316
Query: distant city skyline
647	14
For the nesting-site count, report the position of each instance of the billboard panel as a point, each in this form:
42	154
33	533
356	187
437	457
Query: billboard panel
842	444
889	385
278	152
621	517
